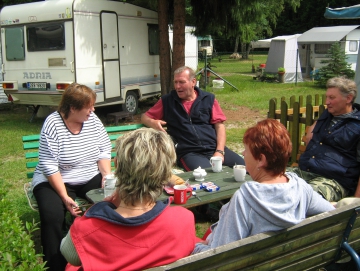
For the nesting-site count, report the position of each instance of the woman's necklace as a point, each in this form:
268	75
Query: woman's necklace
134	208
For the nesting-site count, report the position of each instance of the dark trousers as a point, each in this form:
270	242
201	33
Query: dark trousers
194	160
52	218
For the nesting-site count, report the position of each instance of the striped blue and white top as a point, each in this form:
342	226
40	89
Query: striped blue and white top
74	156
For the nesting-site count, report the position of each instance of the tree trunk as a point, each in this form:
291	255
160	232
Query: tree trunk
248	48
236	47
243	51
164	47
178	59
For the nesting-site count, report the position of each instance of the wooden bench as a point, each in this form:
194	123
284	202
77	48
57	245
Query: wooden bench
316	242
31	146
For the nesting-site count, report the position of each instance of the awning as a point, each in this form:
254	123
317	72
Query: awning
326	34
266	42
352	12
261	43
204	38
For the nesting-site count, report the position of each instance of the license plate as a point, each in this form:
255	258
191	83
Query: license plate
36	85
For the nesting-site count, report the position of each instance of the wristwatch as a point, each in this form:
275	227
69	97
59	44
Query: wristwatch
220	151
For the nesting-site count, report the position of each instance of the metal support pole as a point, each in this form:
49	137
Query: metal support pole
297	63
205	69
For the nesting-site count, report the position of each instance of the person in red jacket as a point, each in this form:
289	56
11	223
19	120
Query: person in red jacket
133	230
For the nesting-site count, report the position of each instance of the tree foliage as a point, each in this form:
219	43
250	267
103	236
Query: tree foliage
248	20
310	14
336	65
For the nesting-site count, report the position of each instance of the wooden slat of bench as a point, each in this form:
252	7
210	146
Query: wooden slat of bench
110	129
299	250
327	256
30	155
31	145
113	129
114	137
32	164
30	138
316	238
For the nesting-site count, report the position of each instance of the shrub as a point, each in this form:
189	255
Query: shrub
17	250
336	65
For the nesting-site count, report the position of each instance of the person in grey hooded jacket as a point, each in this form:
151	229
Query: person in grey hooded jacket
274	200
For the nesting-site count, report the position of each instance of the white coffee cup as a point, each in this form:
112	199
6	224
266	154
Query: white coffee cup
109	185
216	163
239	173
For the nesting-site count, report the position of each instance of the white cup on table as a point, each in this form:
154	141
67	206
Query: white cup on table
239	173
216	163
109	185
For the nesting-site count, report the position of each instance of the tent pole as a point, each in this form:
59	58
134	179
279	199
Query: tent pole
297	63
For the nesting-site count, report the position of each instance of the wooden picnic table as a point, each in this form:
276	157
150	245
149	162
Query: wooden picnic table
224	179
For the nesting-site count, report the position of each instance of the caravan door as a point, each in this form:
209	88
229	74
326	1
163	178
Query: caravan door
110	55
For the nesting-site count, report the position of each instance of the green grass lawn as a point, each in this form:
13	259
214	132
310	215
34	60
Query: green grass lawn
252	94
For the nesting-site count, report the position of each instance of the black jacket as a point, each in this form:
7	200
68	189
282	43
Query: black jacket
332	152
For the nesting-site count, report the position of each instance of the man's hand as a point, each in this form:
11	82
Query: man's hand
309	133
220	155
158	125
152	123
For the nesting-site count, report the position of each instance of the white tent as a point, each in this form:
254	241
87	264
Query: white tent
283	52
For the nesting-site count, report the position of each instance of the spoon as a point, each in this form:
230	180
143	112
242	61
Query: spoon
196	196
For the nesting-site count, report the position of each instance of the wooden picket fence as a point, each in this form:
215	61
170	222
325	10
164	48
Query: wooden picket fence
296	115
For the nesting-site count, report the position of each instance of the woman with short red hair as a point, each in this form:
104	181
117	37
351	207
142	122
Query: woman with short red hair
274	200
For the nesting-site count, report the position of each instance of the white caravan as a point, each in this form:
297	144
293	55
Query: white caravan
191	46
206	43
112	47
315	43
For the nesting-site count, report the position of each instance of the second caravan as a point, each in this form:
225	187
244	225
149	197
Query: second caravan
315	43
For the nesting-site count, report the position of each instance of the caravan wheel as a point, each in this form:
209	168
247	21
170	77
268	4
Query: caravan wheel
131	102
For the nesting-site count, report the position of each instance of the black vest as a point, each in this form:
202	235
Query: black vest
191	133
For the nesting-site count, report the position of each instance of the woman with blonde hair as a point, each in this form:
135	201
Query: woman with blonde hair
274	200
134	230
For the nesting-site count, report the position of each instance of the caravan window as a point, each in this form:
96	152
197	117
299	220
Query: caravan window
353	46
204	43
45	37
14	43
153	32
322	48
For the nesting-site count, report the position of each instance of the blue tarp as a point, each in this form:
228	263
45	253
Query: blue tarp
352	12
